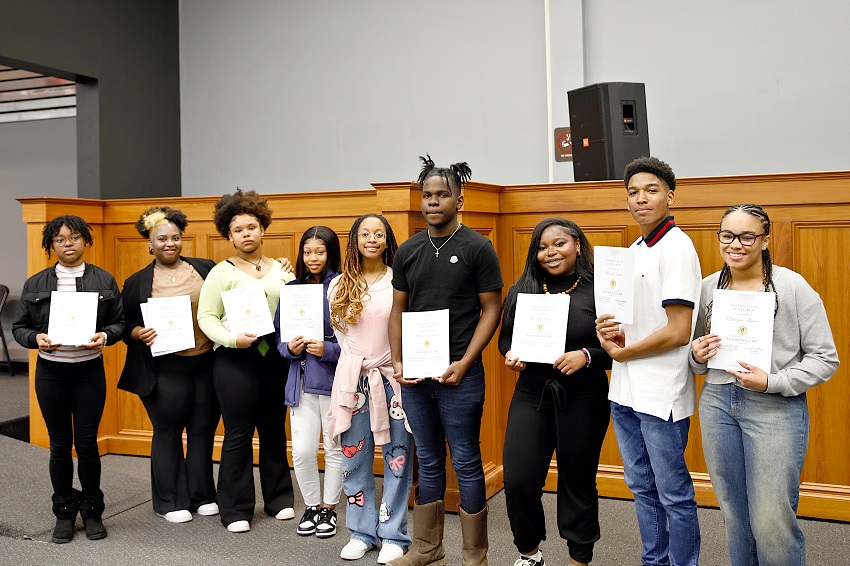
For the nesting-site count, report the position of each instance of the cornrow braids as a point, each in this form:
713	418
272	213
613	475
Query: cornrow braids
350	291
725	278
74	223
455	175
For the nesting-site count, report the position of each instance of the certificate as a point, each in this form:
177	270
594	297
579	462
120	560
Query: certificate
301	312
614	283
171	317
73	317
247	310
540	327
744	322
425	343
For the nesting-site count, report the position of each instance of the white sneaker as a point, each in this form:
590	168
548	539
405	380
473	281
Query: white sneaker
181	516
389	552
208	509
239	527
285	514
354	550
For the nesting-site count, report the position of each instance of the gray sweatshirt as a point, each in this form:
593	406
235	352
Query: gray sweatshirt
804	352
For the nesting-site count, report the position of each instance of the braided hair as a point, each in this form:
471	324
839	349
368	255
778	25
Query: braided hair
455	175
350	292
725	278
74	223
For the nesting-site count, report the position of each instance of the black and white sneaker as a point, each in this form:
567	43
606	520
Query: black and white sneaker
307	524
326	523
528	561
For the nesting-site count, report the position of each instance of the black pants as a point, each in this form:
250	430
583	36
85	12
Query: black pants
71	397
184	397
571	422
250	390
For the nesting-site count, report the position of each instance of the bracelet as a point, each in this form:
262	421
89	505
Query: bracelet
587	357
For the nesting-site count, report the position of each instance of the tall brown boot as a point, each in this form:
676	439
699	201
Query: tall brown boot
475	542
427	548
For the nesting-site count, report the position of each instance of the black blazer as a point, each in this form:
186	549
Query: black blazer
140	368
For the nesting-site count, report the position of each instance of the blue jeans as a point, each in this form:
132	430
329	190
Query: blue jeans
437	413
754	446
653	452
364	519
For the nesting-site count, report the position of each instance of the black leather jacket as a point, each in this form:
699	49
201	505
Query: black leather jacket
34	306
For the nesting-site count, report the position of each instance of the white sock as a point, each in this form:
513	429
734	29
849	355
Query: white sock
536	557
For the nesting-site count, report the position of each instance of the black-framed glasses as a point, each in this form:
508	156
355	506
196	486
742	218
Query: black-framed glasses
746	238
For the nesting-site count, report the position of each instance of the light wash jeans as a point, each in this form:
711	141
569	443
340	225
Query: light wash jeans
754	445
653	452
366	521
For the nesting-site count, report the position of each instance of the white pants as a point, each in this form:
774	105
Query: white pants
308	421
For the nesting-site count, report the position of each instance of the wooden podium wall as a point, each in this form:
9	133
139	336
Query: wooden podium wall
811	227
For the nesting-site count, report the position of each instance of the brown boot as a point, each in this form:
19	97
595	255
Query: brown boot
475	543
427	548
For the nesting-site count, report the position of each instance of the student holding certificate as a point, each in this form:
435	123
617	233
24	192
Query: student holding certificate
366	407
561	407
308	386
70	383
755	424
249	374
176	389
448	266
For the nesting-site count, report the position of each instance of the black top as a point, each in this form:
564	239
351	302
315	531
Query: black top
467	265
581	333
140	371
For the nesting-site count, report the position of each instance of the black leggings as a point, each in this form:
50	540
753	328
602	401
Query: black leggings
183	398
250	390
572	423
71	397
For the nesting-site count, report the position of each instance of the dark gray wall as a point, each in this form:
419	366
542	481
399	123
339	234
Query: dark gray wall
126	56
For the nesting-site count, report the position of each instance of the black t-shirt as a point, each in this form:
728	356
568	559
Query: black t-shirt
467	265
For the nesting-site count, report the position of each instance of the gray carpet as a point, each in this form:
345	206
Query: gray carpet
138	536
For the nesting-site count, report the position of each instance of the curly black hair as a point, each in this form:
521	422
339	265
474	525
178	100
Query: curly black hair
651	165
456	175
74	223
248	202
152	216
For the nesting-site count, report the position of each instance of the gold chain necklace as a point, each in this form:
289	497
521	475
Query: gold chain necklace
257	265
564	292
378	278
436	249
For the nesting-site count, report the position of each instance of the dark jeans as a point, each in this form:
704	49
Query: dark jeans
184	397
437	413
250	390
71	397
572	425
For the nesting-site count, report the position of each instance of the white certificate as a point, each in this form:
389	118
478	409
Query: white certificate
744	322
247	310
73	317
614	283
540	327
171	317
302	312
425	343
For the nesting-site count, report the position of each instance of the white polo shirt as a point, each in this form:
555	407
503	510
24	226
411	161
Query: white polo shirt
667	272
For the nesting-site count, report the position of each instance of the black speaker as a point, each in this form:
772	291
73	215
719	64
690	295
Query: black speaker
608	129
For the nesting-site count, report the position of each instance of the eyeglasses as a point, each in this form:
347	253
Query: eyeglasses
379	236
60	240
746	238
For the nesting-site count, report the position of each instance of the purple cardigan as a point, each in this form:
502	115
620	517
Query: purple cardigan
318	372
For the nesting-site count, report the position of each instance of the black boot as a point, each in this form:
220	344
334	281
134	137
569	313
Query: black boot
91	510
65	508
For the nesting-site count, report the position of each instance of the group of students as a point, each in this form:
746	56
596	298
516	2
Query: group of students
349	389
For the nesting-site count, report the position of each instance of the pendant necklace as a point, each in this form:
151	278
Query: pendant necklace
565	291
436	249
173	277
380	275
257	265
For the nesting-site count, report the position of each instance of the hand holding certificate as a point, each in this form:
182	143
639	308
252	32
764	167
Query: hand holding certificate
613	282
73	317
425	343
171	317
247	310
301	312
744	322
540	327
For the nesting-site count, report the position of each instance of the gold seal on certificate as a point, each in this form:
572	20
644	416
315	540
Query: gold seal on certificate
247	310
540	327
613	282
301	312
424	343
744	322
73	317
171	317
